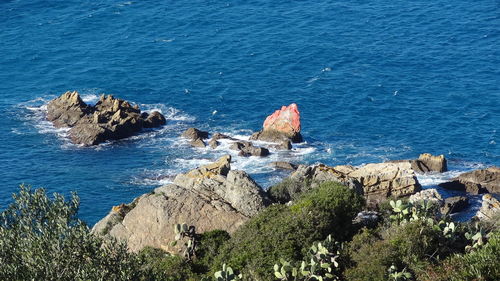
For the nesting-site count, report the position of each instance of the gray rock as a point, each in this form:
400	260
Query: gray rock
476	182
490	208
426	163
276	136
197	143
210	197
454	204
194	134
246	149
213	143
283	165
428	195
153	120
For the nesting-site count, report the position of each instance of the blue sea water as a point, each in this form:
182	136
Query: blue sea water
373	80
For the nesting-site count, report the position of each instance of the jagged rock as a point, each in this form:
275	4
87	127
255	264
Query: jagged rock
376	182
210	197
490	208
284	165
426	163
282	125
67	110
246	149
193	134
454	204
429	195
109	119
476	182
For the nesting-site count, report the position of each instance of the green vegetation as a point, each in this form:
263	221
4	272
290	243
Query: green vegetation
312	239
287	232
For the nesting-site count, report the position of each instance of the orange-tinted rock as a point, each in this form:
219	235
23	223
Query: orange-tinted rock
283	124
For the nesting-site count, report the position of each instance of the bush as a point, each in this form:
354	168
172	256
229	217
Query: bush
481	264
41	239
209	245
288	190
287	232
413	246
160	265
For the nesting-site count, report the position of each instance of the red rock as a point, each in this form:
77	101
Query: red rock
285	120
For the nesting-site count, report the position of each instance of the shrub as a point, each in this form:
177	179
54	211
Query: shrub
288	190
41	239
481	264
287	232
160	265
209	245
413	246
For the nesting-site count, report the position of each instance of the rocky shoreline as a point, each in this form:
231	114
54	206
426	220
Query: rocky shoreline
215	196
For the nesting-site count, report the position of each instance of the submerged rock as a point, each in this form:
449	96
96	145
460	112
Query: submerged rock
282	125
109	119
209	197
476	182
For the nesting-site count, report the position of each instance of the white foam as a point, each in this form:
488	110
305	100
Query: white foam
90	98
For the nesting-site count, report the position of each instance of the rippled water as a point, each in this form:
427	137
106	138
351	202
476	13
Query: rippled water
373	81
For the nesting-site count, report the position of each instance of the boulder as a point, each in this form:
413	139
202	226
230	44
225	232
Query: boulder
282	165
213	143
246	149
209	197
476	182
285	145
194	134
428	195
490	208
454	204
426	163
376	182
109	119
282	125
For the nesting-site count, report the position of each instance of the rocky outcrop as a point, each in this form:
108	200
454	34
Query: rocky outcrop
376	182
210	197
426	162
454	204
282	125
246	149
428	195
196	136
109	119
490	208
476	182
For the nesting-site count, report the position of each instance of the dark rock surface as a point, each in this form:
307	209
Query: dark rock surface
476	182
454	204
109	119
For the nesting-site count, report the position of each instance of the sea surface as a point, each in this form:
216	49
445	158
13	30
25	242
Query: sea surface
374	81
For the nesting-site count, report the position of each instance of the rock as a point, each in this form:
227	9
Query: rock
454	204
155	119
285	145
109	119
248	149
194	134
197	143
283	165
376	182
283	124
426	163
213	143
67	110
383	180
490	208
368	218
209	197
219	136
433	163
428	195
476	182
